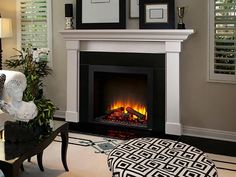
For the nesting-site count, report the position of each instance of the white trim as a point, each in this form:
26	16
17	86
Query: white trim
209	133
60	114
72	116
158	41
18	31
173	127
210	37
49	24
211	76
127	35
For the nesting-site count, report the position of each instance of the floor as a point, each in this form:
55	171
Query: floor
86	159
207	145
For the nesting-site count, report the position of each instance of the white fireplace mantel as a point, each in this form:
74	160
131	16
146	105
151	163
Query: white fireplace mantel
133	41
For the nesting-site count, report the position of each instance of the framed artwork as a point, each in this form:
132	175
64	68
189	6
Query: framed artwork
157	14
133	8
100	14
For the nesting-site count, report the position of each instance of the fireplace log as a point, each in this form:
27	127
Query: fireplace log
136	113
125	116
117	114
120	109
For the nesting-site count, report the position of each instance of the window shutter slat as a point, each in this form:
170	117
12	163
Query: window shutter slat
33	14
225	33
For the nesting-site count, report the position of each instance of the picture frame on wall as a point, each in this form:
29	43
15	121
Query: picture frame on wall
157	14
133	8
100	14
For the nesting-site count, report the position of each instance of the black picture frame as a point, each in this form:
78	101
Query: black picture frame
157	14
119	24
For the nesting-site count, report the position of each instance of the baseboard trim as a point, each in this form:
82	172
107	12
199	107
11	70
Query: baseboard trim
67	115
60	114
72	116
209	133
173	128
188	130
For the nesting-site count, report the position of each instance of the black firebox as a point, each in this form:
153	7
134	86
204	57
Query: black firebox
123	90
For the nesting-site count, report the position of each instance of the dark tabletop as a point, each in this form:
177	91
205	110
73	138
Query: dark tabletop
10	152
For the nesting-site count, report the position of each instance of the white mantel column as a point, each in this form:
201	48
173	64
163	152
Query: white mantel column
73	60
173	124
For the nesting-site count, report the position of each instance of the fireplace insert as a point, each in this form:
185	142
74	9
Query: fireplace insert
123	90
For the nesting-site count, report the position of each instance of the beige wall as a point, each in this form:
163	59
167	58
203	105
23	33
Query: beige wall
203	104
8	10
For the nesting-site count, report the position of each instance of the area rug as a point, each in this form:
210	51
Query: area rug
87	157
100	145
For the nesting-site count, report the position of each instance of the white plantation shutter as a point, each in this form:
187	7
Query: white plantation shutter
34	23
223	40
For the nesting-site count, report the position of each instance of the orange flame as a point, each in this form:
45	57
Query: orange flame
136	106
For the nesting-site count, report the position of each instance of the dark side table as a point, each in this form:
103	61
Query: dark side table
12	155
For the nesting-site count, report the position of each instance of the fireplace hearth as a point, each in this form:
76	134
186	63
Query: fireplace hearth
123	89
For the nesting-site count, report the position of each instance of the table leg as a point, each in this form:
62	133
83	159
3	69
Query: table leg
64	145
40	160
22	167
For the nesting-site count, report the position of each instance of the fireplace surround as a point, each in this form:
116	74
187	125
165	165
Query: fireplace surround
166	42
123	89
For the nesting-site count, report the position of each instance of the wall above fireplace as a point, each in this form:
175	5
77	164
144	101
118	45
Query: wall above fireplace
131	41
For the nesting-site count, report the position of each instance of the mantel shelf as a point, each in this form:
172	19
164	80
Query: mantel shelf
128	35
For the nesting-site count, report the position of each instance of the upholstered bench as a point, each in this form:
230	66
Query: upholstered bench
153	157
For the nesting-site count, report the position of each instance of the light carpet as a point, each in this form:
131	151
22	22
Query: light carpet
87	157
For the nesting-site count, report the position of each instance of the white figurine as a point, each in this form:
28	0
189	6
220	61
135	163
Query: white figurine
12	103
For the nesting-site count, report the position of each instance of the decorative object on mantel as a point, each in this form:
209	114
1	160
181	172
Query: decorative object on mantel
180	12
133	8
100	14
33	63
69	17
157	14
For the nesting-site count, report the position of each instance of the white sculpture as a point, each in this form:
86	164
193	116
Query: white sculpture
12	103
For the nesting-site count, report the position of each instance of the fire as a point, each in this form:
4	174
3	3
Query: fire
136	106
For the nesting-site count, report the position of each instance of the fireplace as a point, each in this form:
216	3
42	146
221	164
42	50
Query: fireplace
123	89
167	42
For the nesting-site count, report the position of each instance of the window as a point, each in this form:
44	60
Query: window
222	33
34	24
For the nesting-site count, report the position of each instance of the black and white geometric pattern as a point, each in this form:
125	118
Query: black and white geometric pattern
153	157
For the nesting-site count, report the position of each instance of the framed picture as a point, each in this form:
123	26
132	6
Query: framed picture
100	14
133	8
157	14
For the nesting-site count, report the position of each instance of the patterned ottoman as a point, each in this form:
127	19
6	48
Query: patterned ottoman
153	157
1	173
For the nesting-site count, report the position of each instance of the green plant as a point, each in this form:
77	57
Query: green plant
46	109
33	63
34	69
